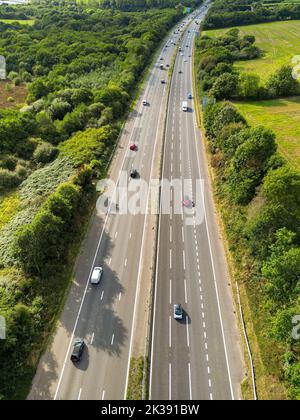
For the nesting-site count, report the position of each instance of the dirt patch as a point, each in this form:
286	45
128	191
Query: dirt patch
11	96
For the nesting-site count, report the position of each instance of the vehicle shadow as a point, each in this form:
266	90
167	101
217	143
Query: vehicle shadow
185	318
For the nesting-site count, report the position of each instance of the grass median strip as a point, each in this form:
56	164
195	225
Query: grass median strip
138	368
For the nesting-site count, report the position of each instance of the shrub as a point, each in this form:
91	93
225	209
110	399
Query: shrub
225	86
249	86
282	83
91	144
58	109
40	246
8	162
12	75
45	153
8	180
248	163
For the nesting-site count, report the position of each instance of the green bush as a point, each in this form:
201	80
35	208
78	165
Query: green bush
40	246
8	180
90	144
45	153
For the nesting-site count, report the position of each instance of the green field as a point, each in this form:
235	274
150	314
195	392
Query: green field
21	22
280	42
283	117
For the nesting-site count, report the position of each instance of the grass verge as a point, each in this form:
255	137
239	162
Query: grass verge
136	378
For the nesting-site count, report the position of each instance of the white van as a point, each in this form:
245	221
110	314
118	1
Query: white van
184	106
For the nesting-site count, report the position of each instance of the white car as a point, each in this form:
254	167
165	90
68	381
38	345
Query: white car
96	275
145	102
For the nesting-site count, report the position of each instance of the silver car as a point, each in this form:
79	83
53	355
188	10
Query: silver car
178	312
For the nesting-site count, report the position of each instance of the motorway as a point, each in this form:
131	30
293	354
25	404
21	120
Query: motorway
104	315
198	357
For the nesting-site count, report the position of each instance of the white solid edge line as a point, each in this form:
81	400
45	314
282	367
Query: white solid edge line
96	253
187	331
170	381
190	381
170	332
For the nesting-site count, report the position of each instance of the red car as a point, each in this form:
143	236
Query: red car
188	203
133	147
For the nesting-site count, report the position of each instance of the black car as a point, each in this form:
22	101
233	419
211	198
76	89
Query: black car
77	350
180	72
162	81
133	173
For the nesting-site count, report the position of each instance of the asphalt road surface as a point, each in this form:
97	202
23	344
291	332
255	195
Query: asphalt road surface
198	357
103	315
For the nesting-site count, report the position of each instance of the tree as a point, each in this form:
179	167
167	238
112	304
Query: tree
37	89
231	137
282	83
256	150
249	86
219	115
46	128
281	327
59	109
282	186
280	192
248	163
283	275
39	245
225	86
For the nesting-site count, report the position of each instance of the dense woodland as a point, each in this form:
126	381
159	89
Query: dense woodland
259	195
130	5
226	13
82	67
